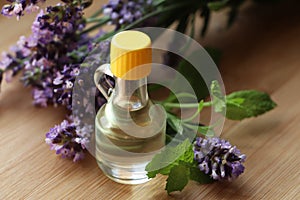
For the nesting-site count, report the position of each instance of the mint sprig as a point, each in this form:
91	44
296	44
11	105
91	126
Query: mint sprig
163	162
178	178
241	104
235	106
218	99
248	103
178	163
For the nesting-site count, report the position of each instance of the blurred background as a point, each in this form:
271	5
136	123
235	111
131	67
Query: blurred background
269	24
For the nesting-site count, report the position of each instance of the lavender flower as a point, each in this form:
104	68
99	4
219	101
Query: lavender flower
124	12
86	100
51	58
12	63
4	63
17	7
218	158
50	70
69	139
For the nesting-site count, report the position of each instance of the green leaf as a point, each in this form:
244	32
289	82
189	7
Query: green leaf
232	15
163	162
218	99
201	105
192	75
174	122
215	54
199	176
248	103
178	178
206	130
197	82
217	5
206	13
183	23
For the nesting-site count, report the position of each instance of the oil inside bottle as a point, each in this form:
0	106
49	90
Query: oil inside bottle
123	156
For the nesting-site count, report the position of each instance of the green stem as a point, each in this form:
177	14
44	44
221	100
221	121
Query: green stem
158	2
193	116
192	34
193	127
102	22
186	105
170	138
95	19
173	97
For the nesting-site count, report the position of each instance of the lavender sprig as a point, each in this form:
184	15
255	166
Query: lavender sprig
124	12
70	138
18	7
12	63
218	158
49	70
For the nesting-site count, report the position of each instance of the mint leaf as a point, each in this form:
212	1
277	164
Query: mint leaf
199	176
215	54
236	111
163	162
215	6
206	130
201	106
182	173
192	75
178	178
174	122
248	103
218	100
175	126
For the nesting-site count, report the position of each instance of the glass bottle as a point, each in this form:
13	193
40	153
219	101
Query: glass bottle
130	129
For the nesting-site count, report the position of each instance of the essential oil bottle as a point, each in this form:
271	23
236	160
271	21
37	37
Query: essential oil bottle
130	129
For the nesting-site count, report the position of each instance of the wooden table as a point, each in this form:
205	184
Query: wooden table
261	51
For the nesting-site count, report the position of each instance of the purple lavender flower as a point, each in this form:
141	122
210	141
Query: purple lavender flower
51	58
11	64
218	158
49	70
70	139
17	7
124	12
5	61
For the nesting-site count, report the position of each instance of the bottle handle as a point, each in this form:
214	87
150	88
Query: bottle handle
101	82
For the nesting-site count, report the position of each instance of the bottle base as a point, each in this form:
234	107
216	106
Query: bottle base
130	175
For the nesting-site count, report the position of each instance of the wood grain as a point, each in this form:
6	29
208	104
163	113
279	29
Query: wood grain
261	51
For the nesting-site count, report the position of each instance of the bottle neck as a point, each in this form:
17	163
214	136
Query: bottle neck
131	94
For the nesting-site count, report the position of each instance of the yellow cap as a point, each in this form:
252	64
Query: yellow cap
131	55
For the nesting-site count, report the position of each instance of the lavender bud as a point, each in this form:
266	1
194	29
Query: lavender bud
218	158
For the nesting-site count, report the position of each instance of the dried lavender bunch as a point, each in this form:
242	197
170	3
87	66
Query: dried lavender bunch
50	59
49	70
86	99
218	158
70	138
